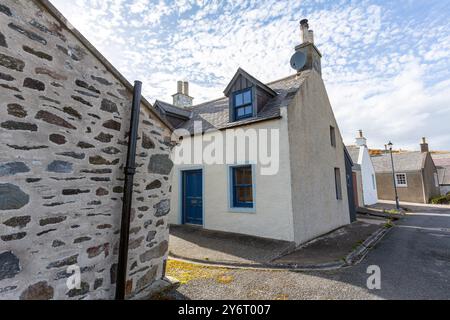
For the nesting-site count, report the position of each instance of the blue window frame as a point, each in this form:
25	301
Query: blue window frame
243	104
242	186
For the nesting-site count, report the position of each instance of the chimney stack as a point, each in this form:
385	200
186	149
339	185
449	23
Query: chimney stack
308	48
182	99
424	145
361	141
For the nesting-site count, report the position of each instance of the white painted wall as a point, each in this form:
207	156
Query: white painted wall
273	215
369	181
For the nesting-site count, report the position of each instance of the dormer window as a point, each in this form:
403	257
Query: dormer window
243	104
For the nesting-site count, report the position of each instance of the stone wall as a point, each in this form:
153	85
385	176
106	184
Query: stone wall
64	117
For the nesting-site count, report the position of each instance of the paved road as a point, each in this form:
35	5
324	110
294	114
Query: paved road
414	258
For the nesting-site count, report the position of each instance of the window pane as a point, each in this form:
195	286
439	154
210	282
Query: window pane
239	100
244	195
241	112
248	97
242	187
243	176
248	110
337	177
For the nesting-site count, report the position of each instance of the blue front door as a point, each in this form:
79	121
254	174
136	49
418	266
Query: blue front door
193	197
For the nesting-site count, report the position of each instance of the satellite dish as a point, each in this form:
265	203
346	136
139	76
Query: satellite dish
298	60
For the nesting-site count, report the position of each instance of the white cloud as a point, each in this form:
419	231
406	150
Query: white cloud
386	69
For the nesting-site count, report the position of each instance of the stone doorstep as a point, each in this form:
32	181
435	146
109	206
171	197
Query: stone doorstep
158	287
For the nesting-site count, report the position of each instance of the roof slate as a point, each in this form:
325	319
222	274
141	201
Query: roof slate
407	161
354	153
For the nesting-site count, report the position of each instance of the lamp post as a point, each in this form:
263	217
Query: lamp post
390	144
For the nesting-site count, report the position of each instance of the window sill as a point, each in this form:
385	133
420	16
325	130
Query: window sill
242	210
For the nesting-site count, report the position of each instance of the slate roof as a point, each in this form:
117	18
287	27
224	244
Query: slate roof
354	153
169	108
406	162
442	162
215	114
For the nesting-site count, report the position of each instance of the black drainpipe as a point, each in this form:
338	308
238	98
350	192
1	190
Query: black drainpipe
130	170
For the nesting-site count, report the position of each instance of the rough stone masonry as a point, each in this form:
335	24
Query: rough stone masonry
64	117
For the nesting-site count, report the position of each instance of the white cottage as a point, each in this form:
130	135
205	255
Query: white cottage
284	178
360	155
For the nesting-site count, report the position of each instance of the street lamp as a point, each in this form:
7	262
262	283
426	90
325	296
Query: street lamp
390	144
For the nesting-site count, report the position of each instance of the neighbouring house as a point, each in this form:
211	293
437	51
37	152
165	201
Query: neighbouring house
416	175
360	155
306	196
352	185
64	122
442	162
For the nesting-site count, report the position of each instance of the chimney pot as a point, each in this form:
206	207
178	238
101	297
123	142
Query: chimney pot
304	27
180	87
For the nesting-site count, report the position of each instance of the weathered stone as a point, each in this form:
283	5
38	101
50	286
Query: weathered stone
147	279
52	220
150	236
81	100
144	208
6	77
69	261
113	125
57	139
38	291
33	180
104	137
136	243
82	239
99	160
162	208
71	192
154	185
94	203
22	126
53	119
11	63
87	94
34	84
85	145
109	106
98	250
13	168
98	171
52	30
7	289
101	192
12	197
128	287
9	87
118	189
86	86
18	96
101	81
135	230
79	292
57	243
74	155
93	115
60	167
9	265
98	283
3	41
111	150
37	53
31	35
5	10
160	223
160	164
71	111
104	226
45	232
157	252
113	273
99	179
51	74
147	142
16	110
13	237
148	223
18	222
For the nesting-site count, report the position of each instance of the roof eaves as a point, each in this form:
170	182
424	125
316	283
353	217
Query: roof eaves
245	74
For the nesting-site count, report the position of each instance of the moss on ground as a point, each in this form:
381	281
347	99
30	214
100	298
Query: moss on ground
186	272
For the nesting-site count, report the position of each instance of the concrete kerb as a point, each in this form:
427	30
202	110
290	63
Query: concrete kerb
353	258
